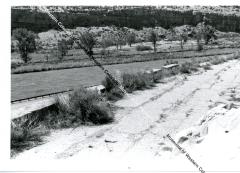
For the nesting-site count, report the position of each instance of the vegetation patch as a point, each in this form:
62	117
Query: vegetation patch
83	107
130	82
207	66
188	67
139	81
23	138
118	59
143	48
216	60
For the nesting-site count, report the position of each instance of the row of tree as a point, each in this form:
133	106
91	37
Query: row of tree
26	40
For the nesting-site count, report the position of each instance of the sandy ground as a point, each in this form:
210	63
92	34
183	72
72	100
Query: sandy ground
145	118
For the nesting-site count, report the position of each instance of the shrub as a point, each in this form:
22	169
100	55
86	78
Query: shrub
234	56
143	48
24	138
170	62
130	82
14	65
216	60
82	107
139	81
207	67
188	67
85	106
108	84
112	93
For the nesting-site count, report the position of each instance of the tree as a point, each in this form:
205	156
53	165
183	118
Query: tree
153	37
183	37
106	41
86	41
26	42
131	38
209	34
120	37
62	48
197	34
172	33
206	31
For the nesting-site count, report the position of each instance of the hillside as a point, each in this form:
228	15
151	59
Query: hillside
222	18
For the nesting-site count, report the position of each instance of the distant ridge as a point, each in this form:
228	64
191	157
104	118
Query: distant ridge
223	18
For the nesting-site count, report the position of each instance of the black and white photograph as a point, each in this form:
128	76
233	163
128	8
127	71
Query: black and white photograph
156	83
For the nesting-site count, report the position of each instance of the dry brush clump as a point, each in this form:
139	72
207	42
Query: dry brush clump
139	81
143	48
23	137
82	107
216	60
112	93
130	82
207	66
189	67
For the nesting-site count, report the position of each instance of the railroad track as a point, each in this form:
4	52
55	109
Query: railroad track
45	95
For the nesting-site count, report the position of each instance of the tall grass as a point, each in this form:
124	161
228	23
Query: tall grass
86	106
207	66
23	138
189	67
216	60
82	107
139	81
130	82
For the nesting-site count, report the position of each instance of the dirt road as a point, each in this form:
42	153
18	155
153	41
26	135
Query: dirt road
141	126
